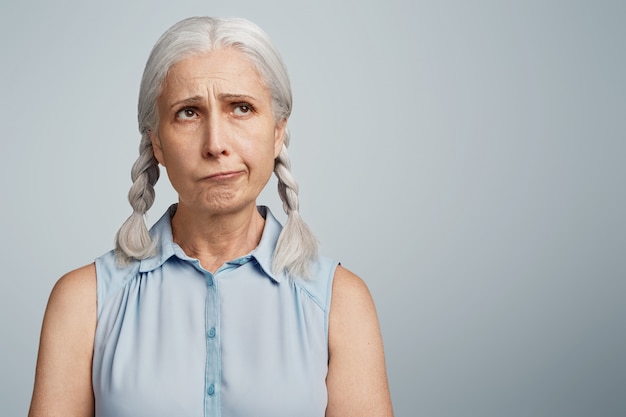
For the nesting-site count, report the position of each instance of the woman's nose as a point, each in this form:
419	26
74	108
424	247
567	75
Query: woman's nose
215	137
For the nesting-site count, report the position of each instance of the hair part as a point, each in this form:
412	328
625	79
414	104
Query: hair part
297	246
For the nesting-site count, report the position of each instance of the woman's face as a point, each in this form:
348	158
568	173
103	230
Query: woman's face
216	136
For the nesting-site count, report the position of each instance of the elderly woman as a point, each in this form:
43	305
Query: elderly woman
218	310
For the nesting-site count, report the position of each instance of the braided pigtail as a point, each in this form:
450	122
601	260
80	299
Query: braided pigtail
133	241
297	246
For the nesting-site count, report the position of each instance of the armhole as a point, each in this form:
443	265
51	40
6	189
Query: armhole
329	294
99	291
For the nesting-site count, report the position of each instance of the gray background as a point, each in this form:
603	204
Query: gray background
466	158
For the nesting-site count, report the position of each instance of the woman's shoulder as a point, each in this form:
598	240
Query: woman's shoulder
112	275
329	278
74	294
350	292
320	280
72	304
108	266
79	283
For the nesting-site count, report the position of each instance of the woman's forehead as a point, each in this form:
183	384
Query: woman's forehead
226	70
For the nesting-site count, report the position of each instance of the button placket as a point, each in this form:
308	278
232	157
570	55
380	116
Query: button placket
213	365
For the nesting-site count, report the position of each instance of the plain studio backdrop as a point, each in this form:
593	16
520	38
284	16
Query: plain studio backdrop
466	158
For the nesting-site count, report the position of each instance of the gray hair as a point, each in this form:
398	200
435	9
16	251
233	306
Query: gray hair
297	246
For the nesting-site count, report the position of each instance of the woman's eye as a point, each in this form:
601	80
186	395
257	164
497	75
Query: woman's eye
186	114
242	109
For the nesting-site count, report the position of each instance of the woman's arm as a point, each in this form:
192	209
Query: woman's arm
357	379
63	377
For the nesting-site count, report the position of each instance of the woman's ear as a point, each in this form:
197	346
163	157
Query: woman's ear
279	133
156	147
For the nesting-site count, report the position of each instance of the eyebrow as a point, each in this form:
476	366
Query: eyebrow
187	101
235	96
198	99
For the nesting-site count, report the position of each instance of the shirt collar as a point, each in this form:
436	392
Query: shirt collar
166	247
264	252
162	233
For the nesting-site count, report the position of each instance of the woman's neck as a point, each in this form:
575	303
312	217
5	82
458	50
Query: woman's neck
214	239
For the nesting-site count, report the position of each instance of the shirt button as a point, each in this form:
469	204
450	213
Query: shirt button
210	281
211	389
212	332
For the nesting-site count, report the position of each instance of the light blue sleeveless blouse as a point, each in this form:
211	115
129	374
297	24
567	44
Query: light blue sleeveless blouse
174	340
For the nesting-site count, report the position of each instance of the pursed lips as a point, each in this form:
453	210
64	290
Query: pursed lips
223	175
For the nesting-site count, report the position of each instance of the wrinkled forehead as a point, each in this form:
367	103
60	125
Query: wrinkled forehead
225	62
221	73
